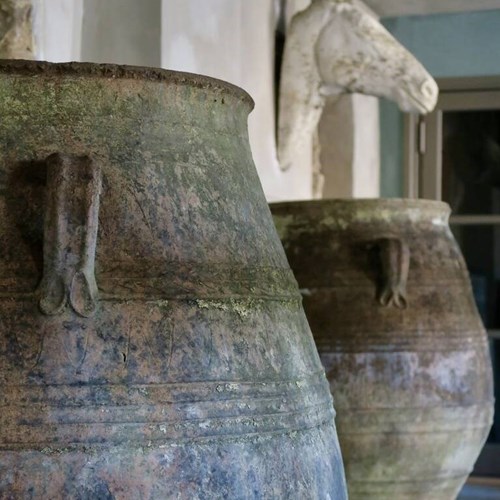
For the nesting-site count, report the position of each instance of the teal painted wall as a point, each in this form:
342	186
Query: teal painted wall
448	45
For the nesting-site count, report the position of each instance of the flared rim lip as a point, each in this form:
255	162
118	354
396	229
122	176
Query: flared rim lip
122	71
367	202
353	205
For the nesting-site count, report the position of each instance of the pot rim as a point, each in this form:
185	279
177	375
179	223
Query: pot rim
364	209
121	71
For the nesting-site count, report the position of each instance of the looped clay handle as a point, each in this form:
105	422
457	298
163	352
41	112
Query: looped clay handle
395	260
70	235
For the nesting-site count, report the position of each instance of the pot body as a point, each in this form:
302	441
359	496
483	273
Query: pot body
152	340
387	294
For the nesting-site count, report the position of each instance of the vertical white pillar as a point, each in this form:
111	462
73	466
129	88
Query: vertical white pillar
349	135
366	165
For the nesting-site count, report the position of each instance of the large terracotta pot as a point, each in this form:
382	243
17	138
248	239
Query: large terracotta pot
388	298
152	338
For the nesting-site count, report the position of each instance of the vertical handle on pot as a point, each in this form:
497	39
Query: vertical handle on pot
395	260
70	235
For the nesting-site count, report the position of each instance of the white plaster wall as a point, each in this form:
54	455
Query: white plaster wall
234	40
113	31
57	29
122	32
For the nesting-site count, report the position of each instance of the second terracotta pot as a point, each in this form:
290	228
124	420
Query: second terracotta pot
387	294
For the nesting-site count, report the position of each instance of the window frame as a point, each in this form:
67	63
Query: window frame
423	134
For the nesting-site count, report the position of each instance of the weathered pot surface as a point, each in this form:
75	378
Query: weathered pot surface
387	294
152	339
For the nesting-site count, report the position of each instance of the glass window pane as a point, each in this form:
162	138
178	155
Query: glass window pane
471	161
480	246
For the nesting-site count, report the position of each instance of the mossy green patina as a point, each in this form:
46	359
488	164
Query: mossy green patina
388	298
191	371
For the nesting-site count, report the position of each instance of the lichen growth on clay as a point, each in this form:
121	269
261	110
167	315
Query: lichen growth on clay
244	307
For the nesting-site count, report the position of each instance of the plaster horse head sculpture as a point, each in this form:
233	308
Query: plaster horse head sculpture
335	47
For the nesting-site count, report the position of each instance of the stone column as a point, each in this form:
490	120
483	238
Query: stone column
349	137
16	29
